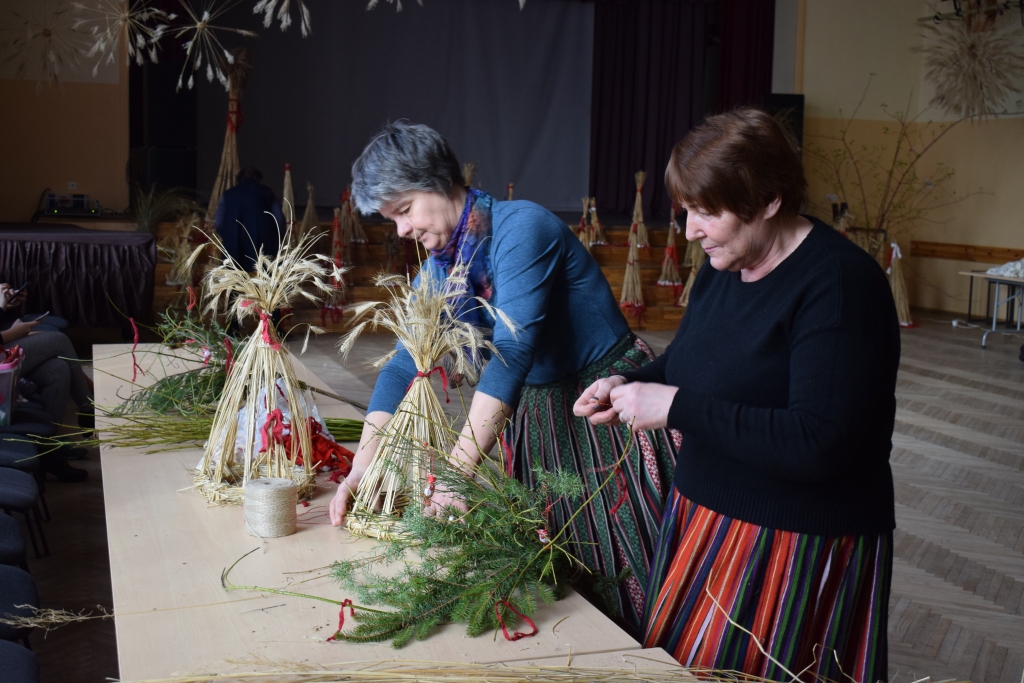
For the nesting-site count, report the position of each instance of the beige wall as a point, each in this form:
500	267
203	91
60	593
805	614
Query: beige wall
53	136
845	42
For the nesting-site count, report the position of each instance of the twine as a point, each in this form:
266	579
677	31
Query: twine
269	507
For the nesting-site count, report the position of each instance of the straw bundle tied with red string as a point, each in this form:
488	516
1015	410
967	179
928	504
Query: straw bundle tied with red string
632	298
583	232
261	385
597	237
237	69
643	241
334	301
695	256
899	286
310	221
669	270
355	226
424	318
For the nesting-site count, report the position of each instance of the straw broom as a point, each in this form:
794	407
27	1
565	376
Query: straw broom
310	221
697	258
899	286
583	231
237	74
276	283
288	205
632	299
669	270
424	319
596	229
642	239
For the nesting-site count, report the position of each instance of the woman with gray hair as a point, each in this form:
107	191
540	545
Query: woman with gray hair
525	261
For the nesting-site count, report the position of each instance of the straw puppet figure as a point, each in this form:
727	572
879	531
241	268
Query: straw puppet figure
310	221
669	269
642	239
899	286
696	257
632	299
288	205
583	232
597	237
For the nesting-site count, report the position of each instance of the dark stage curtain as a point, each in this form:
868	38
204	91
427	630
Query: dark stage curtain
649	89
748	33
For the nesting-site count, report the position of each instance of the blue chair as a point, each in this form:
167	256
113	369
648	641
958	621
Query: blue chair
17	588
18	664
12	543
20	493
18	453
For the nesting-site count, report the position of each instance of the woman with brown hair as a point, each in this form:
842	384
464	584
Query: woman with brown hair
778	534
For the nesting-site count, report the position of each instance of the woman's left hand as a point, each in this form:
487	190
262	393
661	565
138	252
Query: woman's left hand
444	504
643	405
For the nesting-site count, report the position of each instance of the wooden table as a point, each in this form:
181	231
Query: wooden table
168	547
1014	295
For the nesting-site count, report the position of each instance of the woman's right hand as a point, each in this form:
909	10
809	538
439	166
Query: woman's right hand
595	402
342	499
348	486
19	329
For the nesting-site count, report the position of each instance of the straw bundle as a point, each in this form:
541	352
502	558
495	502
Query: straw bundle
353	226
899	286
237	73
424	318
642	240
584	231
697	256
262	376
394	250
310	221
468	173
509	190
177	249
669	270
596	230
288	204
632	299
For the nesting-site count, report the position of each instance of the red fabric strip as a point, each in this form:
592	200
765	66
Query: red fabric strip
516	635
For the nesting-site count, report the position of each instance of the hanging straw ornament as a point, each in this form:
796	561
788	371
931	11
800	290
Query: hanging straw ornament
113	23
42	39
669	270
583	232
203	49
310	221
425	320
697	258
597	237
899	286
288	204
262	378
237	75
632	299
642	239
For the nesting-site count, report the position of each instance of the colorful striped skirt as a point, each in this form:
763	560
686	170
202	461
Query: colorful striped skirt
818	606
616	535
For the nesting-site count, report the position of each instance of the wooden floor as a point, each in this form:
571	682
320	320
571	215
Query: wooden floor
957	608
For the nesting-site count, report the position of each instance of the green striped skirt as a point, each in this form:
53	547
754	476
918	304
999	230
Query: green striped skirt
616	535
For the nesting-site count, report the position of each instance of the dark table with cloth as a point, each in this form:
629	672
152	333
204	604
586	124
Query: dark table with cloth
83	276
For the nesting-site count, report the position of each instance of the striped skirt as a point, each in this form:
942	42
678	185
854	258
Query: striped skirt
616	535
818	606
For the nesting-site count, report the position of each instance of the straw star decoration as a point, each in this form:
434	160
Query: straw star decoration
203	47
284	15
112	23
41	37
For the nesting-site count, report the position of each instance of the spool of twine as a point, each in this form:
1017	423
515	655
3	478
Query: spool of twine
269	507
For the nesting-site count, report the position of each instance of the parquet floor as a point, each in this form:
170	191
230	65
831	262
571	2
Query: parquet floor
957	608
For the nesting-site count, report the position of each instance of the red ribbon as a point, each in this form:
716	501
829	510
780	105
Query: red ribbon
508	454
272	430
326	453
265	322
136	368
444	380
341	617
231	358
234	114
516	635
191	299
344	196
621	484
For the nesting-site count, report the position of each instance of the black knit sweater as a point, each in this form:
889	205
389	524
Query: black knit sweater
787	391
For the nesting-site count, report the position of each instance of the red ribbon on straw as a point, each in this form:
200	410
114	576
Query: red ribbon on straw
516	635
191	299
231	358
234	114
272	430
444	380
265	322
136	368
341	617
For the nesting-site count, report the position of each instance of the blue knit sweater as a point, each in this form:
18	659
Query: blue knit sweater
551	288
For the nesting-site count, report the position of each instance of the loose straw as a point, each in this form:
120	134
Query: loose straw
269	507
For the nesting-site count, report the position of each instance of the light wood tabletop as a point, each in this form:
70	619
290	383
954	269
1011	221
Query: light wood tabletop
168	547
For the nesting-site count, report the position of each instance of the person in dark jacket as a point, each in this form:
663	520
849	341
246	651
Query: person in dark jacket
782	378
249	219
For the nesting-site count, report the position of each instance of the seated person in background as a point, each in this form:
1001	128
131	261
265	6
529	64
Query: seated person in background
249	218
12	299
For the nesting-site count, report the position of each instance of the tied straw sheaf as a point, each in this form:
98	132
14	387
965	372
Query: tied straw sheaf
424	316
262	376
